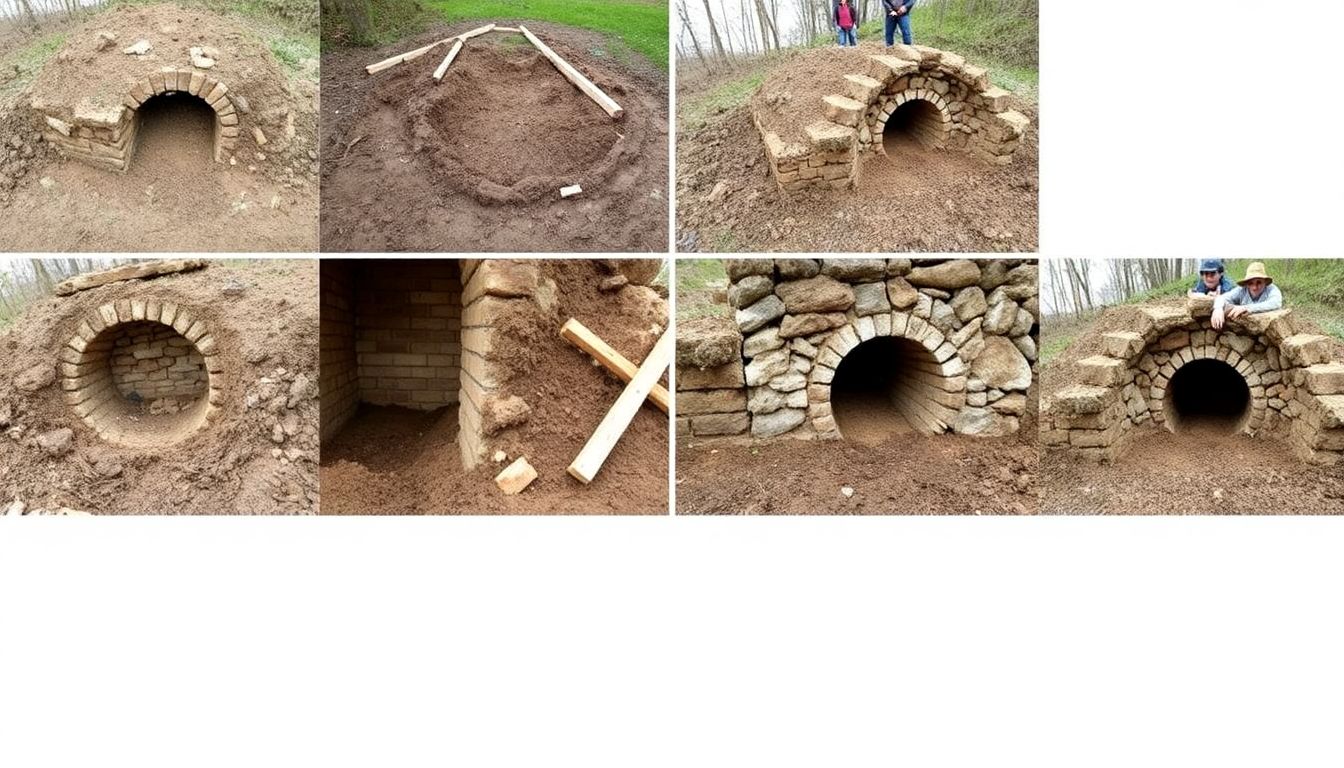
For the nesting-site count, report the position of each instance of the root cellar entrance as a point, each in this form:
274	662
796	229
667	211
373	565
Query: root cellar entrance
915	123
880	389
177	132
1207	393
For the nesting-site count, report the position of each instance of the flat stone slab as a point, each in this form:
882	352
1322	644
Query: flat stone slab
829	137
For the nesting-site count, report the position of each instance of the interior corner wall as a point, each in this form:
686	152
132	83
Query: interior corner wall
339	379
408	327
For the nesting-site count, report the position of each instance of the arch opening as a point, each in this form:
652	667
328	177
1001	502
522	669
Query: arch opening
915	123
884	387
143	385
1207	394
177	133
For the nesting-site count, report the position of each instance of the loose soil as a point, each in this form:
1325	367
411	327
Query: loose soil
1201	470
266	200
263	315
475	163
398	461
914	199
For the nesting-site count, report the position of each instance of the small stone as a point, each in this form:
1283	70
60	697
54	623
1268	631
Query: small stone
56	443
140	48
516	477
199	59
847	492
500	457
259	136
501	413
298	390
107	468
276	453
47	182
613	283
277	434
105	40
719	191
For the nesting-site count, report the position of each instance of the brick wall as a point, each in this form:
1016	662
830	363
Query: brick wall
157	364
339	377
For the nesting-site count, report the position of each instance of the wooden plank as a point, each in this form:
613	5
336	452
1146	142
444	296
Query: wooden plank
570	191
127	272
465	36
577	333
595	452
576	77
507	29
438	73
408	56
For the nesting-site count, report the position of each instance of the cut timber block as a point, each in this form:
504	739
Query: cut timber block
128	272
577	333
515	477
443	68
574	76
595	452
570	191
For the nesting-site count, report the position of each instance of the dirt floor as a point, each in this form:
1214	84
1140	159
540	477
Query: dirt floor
1202	470
258	457
475	163
391	460
173	197
914	199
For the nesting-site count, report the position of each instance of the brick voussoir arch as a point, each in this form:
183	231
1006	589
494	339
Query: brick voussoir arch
933	392
194	83
91	378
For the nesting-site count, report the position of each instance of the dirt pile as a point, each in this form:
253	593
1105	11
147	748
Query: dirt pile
255	453
475	163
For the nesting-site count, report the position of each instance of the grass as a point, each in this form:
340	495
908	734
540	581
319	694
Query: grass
697	281
694	112
292	51
29	59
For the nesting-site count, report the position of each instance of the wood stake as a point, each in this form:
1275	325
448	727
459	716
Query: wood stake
595	452
577	333
465	36
576	77
443	68
506	29
395	60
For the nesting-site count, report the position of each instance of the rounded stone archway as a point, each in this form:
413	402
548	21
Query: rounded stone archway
142	373
914	115
1208	393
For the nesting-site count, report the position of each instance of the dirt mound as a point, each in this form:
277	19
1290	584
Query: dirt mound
475	163
255	455
790	97
372	466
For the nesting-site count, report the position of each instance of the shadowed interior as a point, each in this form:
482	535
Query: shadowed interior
177	132
885	386
1207	393
916	121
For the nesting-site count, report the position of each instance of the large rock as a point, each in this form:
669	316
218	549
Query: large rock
740	268
720	424
898	267
993	274
815	294
797	269
1000	318
1001	366
1027	346
711	401
1022	282
708	342
57	442
1022	323
757	315
777	423
763	340
719	377
749	290
871	299
854	270
500	413
984	422
639	271
969	303
37	377
942	317
901	293
768	400
794	326
949	276
767	366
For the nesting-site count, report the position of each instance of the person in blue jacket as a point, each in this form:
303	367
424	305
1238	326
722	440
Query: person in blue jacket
898	15
1212	281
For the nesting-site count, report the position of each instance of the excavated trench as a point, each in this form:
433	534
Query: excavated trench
177	133
1208	394
143	385
916	122
881	389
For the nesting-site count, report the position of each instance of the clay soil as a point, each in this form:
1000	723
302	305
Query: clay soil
475	163
168	199
264	316
398	461
914	199
1201	470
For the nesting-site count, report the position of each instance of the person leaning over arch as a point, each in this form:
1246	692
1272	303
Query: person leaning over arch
1211	281
1254	293
898	15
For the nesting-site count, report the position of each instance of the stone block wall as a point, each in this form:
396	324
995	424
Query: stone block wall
966	330
951	104
339	375
1294	387
159	366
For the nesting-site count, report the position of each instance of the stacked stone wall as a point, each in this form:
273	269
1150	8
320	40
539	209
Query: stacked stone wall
339	376
157	365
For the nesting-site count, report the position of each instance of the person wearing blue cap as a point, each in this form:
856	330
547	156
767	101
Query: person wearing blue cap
1212	281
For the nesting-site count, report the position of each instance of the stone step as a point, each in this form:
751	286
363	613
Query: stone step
1325	379
1102	371
1123	344
843	110
884	69
830	137
862	88
1304	349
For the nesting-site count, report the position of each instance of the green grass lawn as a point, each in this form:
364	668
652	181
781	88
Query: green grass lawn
697	281
693	112
638	25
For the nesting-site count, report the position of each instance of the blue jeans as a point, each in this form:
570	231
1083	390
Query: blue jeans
902	21
848	36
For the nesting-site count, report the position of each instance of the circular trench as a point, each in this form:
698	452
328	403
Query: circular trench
1207	394
141	383
883	387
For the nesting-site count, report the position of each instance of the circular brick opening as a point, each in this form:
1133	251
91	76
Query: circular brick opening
141	383
1207	393
918	121
881	388
177	131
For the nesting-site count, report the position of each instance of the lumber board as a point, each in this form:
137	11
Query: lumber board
576	77
577	333
595	452
408	56
443	68
465	36
570	191
506	29
126	272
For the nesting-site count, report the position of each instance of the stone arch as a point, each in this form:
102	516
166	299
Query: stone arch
930	125
143	373
192	83
932	390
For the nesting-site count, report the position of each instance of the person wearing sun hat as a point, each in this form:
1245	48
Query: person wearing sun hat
1254	293
1212	280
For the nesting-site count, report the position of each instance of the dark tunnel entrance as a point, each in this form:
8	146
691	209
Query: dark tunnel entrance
1207	394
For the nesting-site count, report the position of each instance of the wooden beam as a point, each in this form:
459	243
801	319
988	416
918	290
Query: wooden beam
443	68
408	56
595	452
465	36
576	77
126	272
577	333
507	29
570	191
